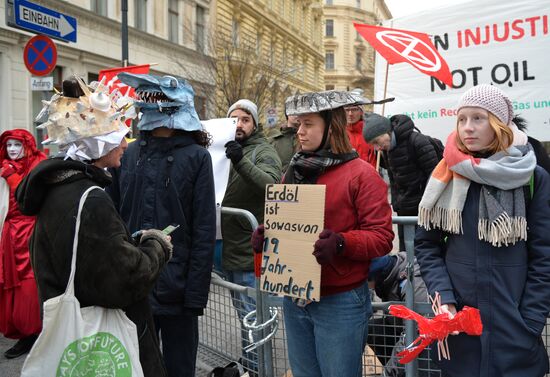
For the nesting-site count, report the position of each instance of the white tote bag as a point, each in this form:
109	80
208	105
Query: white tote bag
83	342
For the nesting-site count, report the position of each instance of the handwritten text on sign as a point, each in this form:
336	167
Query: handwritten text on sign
294	217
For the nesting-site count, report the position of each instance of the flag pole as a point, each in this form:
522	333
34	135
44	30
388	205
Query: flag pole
379	153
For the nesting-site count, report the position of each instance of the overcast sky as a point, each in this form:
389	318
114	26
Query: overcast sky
400	8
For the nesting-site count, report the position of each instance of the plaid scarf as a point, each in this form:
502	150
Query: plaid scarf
306	167
502	212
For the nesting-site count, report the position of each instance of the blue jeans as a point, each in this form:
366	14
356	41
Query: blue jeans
244	305
327	338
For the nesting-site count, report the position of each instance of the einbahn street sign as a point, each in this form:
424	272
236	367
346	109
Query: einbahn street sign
25	15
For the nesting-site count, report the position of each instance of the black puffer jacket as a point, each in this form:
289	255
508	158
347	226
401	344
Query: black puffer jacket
169	180
111	271
409	166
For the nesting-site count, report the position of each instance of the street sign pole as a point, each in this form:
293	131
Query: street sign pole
124	25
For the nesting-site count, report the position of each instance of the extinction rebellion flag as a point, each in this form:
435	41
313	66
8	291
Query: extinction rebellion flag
112	81
403	46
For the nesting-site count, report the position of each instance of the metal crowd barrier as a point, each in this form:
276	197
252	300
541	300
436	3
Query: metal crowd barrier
221	332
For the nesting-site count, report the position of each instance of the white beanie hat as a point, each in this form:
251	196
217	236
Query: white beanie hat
495	101
248	106
490	98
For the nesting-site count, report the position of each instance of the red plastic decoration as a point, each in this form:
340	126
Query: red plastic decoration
467	320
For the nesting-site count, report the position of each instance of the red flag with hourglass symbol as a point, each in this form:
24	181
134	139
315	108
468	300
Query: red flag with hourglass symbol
403	46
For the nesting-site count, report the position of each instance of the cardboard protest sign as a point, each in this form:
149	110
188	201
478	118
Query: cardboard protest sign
293	219
502	46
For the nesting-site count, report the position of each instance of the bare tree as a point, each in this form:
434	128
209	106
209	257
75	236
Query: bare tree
239	71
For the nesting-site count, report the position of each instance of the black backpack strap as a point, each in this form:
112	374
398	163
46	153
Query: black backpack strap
411	142
529	191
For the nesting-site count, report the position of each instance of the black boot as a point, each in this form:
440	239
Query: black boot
20	348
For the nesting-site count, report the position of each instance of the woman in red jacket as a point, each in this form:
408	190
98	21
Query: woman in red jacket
326	338
19	308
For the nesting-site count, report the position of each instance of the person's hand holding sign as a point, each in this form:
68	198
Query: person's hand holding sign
234	151
327	246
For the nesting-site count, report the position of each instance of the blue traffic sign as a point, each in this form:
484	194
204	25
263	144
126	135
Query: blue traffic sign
42	20
40	55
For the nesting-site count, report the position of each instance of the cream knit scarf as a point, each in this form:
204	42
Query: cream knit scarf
502	212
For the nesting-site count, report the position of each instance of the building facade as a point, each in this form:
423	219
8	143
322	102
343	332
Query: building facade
349	59
169	33
268	50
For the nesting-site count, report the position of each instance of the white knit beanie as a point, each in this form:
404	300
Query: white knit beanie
495	101
490	98
247	105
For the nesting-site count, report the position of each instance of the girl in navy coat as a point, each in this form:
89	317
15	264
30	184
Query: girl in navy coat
484	240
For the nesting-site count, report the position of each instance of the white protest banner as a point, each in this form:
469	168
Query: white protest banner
221	130
499	42
293	218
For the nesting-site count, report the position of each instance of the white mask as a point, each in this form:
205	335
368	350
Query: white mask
15	149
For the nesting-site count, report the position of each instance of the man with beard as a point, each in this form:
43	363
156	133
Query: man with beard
255	164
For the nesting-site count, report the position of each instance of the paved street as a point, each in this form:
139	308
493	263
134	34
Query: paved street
9	368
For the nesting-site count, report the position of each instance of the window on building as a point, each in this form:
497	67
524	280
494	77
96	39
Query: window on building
357	36
235	33
329	60
258	44
100	7
272	54
200	28
328	2
329	87
329	28
173	20
140	14
358	3
358	61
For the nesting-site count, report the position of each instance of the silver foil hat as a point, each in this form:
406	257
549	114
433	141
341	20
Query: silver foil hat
316	102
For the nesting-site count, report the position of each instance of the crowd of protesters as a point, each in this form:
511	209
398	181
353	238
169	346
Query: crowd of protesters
482	238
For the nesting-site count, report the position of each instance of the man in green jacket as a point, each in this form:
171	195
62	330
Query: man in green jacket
284	140
255	164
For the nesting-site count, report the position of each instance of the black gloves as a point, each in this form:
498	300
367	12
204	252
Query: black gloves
327	246
234	151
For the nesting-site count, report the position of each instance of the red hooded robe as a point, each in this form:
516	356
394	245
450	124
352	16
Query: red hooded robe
19	308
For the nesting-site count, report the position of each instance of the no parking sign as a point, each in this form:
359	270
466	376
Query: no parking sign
40	55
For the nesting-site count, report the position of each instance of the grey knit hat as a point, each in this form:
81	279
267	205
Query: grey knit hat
248	106
316	102
375	125
490	98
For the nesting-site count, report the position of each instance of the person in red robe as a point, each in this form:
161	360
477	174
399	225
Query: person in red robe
19	307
